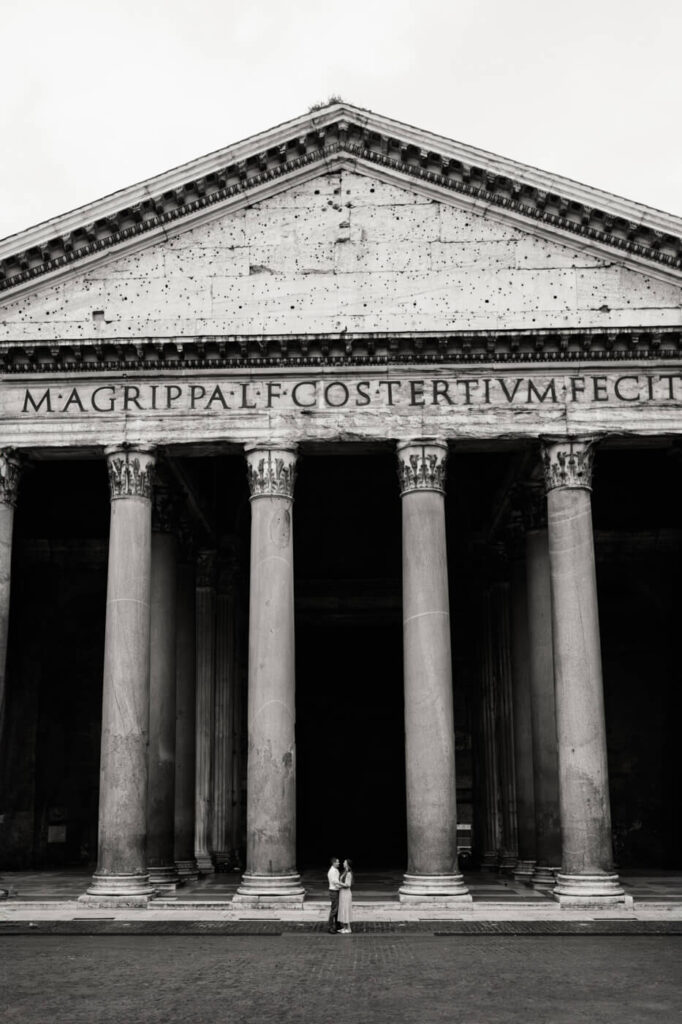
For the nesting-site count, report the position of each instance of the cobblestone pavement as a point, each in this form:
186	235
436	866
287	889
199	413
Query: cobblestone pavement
366	978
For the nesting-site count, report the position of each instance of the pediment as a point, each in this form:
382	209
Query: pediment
344	253
344	138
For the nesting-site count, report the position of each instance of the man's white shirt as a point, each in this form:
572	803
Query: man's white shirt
334	878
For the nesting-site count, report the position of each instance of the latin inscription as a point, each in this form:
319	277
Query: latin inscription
323	394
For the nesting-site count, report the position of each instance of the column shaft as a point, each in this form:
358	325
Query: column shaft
223	751
587	874
161	800
271	774
432	869
238	823
205	687
9	484
543	711
489	790
185	719
504	727
122	857
523	734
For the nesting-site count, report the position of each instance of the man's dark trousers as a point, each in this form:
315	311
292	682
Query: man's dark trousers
334	912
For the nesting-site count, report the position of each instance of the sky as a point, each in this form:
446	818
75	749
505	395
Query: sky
97	96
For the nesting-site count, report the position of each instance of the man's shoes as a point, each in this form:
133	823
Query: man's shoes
333	931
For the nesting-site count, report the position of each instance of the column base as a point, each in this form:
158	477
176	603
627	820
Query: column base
118	891
544	877
508	863
224	861
187	870
205	865
267	891
164	879
590	891
523	872
434	889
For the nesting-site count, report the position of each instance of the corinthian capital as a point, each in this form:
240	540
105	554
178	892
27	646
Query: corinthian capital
131	469
10	472
568	464
271	471
421	465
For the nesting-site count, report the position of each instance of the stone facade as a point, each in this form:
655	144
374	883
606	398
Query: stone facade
338	289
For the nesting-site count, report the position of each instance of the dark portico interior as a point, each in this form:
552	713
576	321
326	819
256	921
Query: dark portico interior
350	737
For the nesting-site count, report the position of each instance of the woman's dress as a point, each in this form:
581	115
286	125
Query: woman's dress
345	899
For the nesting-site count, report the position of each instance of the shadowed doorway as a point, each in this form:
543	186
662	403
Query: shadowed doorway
349	674
351	748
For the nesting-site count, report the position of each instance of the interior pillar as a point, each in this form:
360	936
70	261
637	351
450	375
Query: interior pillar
432	868
543	707
488	766
163	873
185	720
223	733
205	686
122	849
504	726
238	775
271	873
523	735
587	876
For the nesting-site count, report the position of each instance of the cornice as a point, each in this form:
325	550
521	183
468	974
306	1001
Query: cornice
328	138
168	354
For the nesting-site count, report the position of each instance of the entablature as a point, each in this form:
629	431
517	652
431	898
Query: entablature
344	349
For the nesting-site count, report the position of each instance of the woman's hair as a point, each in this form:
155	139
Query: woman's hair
349	862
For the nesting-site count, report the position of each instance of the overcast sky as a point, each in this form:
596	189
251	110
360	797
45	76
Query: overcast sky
98	96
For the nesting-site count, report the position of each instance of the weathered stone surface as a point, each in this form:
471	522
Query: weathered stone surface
432	869
343	252
325	403
122	857
587	860
271	774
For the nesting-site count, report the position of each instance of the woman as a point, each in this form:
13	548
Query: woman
345	898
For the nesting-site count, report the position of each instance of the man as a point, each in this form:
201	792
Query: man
334	890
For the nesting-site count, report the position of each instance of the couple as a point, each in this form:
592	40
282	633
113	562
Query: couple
341	899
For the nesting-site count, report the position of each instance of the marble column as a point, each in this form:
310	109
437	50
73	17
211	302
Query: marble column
271	873
523	734
504	726
163	873
185	719
122	849
543	708
587	876
270	870
239	745
223	731
489	843
10	470
432	868
205	690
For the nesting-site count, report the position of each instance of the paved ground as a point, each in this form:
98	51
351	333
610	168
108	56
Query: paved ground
371	978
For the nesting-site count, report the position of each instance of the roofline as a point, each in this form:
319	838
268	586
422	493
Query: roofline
306	134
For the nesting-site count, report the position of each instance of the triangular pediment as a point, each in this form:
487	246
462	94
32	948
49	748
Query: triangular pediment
342	137
342	252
